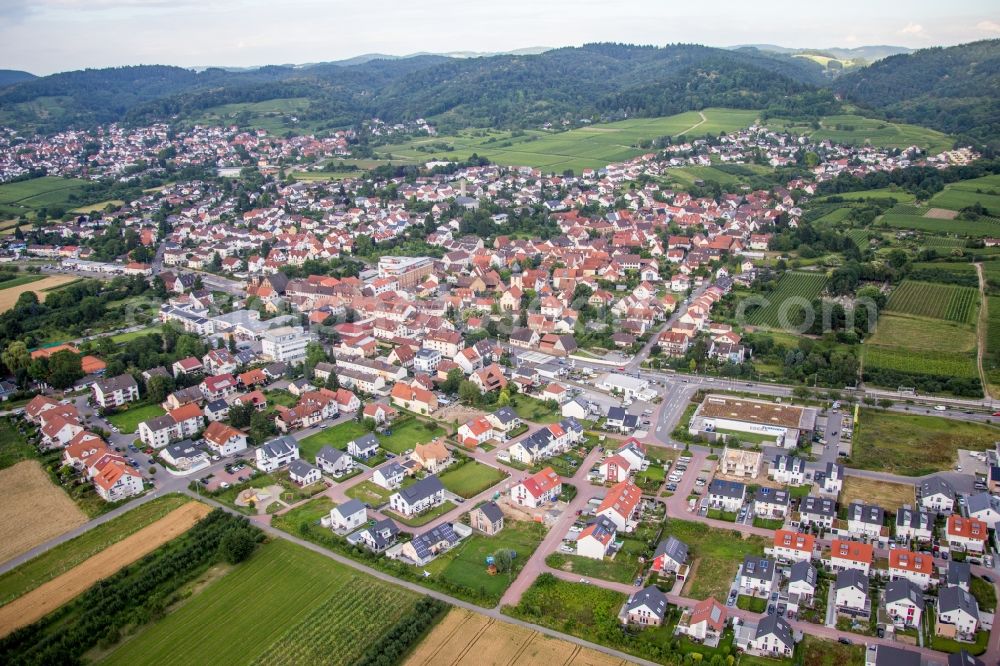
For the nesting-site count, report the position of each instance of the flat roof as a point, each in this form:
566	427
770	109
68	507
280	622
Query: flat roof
758	411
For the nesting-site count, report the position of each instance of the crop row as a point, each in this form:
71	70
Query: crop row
339	630
802	287
922	362
938	301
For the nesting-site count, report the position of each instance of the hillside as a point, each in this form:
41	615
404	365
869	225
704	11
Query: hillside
10	76
955	90
501	90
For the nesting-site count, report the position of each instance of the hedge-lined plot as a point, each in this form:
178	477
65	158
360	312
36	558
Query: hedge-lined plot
803	287
938	301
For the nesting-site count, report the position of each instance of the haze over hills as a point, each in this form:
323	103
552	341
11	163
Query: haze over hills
952	89
870	53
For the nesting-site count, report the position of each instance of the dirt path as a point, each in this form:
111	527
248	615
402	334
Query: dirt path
696	125
43	600
981	328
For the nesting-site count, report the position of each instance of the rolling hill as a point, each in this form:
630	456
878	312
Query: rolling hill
955	90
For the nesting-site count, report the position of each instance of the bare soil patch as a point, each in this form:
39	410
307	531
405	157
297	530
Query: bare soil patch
941	214
890	496
43	600
34	509
457	413
464	637
8	297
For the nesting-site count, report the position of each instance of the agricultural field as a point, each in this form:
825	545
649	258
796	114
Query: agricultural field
914	445
65	556
962	194
286	604
794	290
972	228
941	364
592	147
30	195
273	115
20	280
889	496
859	237
471	478
27	488
991	355
892	192
51	595
857	130
14	447
918	333
463	633
938	301
129	420
9	294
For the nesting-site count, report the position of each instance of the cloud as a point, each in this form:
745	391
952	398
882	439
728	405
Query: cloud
988	26
912	29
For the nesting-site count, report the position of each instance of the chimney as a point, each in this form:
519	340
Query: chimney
461	187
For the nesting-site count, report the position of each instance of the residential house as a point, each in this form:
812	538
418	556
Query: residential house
705	622
966	533
389	476
538	489
904	603
984	507
423	495
772	638
918	568
432	457
380	536
851	596
504	419
851	555
647	607
957	614
726	495
334	462
303	472
937	495
596	539
413	398
833	478
348	516
426	546
756	576
865	520
621	506
819	511
791	546
670	555
914	524
770	503
276	453
115	391
364	447
224	439
802	581
789	470
487	518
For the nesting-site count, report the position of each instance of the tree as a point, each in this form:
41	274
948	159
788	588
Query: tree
504	398
332	382
241	416
237	545
468	392
261	428
64	369
453	381
159	387
16	357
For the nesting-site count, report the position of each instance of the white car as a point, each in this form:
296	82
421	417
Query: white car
940	408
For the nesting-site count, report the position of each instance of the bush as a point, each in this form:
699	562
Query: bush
237	545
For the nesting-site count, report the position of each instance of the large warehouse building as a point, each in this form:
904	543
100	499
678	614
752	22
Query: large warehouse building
786	423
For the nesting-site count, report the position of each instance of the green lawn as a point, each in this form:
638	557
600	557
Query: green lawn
984	593
715	554
338	436
471	478
591	612
619	570
407	433
752	604
533	409
423	518
287	604
913	445
128	421
818	652
369	493
58	560
466	565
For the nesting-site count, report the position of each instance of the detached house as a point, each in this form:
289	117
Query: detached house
918	568
966	533
648	607
670	555
957	614
852	593
904	603
726	495
487	518
423	495
772	638
277	453
845	555
596	539
621	506
334	462
706	620
224	439
791	546
937	495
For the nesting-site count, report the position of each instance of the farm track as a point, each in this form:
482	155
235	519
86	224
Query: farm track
51	595
982	326
696	125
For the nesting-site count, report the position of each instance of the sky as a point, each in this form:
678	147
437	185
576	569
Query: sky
46	36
